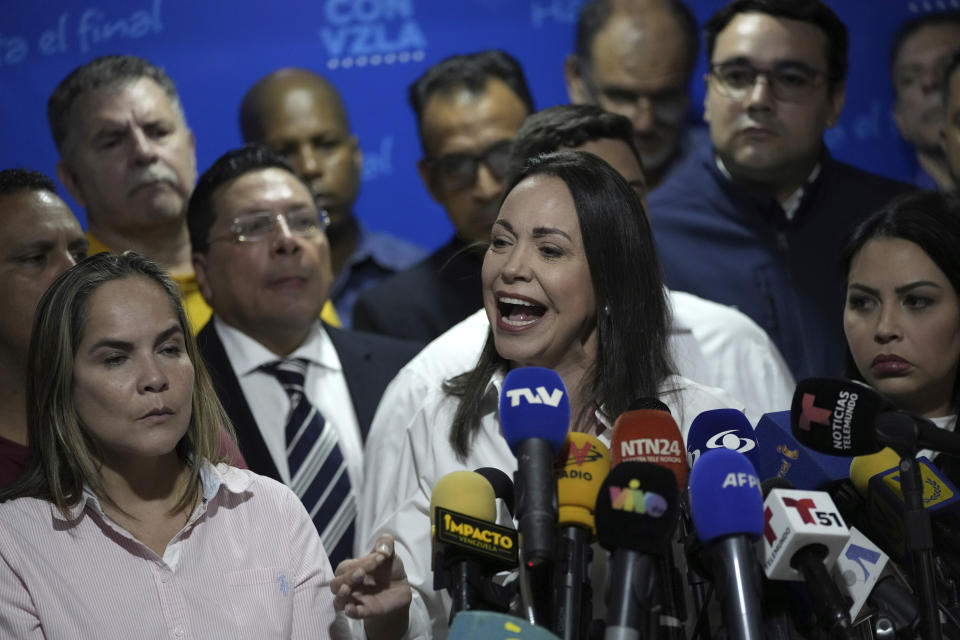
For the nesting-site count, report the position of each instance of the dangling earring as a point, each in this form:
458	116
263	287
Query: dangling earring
606	309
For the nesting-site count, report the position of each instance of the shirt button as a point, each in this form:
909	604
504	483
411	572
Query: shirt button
164	579
178	631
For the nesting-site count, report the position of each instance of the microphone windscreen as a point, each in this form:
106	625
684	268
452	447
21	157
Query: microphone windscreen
637	508
721	429
488	625
465	492
534	404
581	468
837	416
862	468
780	454
648	403
647	435
501	483
725	496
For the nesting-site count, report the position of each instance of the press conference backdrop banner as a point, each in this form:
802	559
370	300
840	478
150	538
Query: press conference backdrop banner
371	50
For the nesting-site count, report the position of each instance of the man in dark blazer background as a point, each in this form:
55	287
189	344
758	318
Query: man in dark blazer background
301	394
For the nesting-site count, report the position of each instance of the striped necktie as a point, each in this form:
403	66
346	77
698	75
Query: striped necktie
318	472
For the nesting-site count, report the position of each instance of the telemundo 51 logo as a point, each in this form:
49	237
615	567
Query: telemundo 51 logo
362	33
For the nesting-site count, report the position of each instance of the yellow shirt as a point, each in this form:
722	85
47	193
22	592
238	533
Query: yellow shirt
197	310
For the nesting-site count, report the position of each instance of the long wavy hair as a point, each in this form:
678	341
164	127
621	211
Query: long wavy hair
63	458
632	315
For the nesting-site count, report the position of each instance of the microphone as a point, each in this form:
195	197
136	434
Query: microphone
581	468
861	571
501	483
781	455
721	429
468	547
877	478
648	433
535	418
636	515
484	625
803	535
725	477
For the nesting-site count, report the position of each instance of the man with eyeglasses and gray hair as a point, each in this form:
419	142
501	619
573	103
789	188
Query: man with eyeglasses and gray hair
300	393
756	219
468	109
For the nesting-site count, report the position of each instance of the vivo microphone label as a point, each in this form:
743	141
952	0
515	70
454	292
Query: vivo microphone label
487	538
542	396
631	498
839	419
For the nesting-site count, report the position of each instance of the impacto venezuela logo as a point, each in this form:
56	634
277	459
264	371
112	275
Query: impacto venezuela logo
362	33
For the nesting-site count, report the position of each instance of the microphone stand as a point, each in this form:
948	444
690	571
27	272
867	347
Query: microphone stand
919	539
901	432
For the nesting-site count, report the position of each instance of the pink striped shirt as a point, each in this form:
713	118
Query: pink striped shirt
248	564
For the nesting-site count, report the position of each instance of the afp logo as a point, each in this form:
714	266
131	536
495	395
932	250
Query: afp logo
542	396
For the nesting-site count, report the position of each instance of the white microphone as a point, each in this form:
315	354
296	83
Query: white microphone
803	536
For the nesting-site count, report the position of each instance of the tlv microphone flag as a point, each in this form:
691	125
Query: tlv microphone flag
535	418
721	429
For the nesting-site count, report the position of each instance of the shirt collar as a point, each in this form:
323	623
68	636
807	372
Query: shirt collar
792	204
248	355
212	479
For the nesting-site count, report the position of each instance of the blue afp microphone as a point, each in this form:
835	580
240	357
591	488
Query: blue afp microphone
535	418
721	429
725	477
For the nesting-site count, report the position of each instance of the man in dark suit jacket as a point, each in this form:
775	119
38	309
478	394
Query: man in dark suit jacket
300	394
468	108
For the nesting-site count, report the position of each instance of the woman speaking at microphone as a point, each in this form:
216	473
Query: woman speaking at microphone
570	282
902	314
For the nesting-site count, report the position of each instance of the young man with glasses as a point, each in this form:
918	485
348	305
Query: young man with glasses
468	109
263	265
757	218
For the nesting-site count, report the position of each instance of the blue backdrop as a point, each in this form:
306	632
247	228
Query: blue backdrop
372	50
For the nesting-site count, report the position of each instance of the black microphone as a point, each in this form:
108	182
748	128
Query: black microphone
636	515
501	483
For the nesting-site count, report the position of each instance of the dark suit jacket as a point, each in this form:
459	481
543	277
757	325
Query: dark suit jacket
369	363
425	300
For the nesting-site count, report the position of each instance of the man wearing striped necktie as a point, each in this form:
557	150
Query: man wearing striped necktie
301	394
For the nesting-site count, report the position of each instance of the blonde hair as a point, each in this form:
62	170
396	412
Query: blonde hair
63	457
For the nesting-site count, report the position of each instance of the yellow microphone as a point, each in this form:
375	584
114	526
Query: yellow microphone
582	465
862	468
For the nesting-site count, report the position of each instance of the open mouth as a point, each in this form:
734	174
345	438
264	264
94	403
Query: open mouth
518	312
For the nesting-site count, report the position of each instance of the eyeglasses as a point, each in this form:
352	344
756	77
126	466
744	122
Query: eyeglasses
453	171
788	81
254	227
